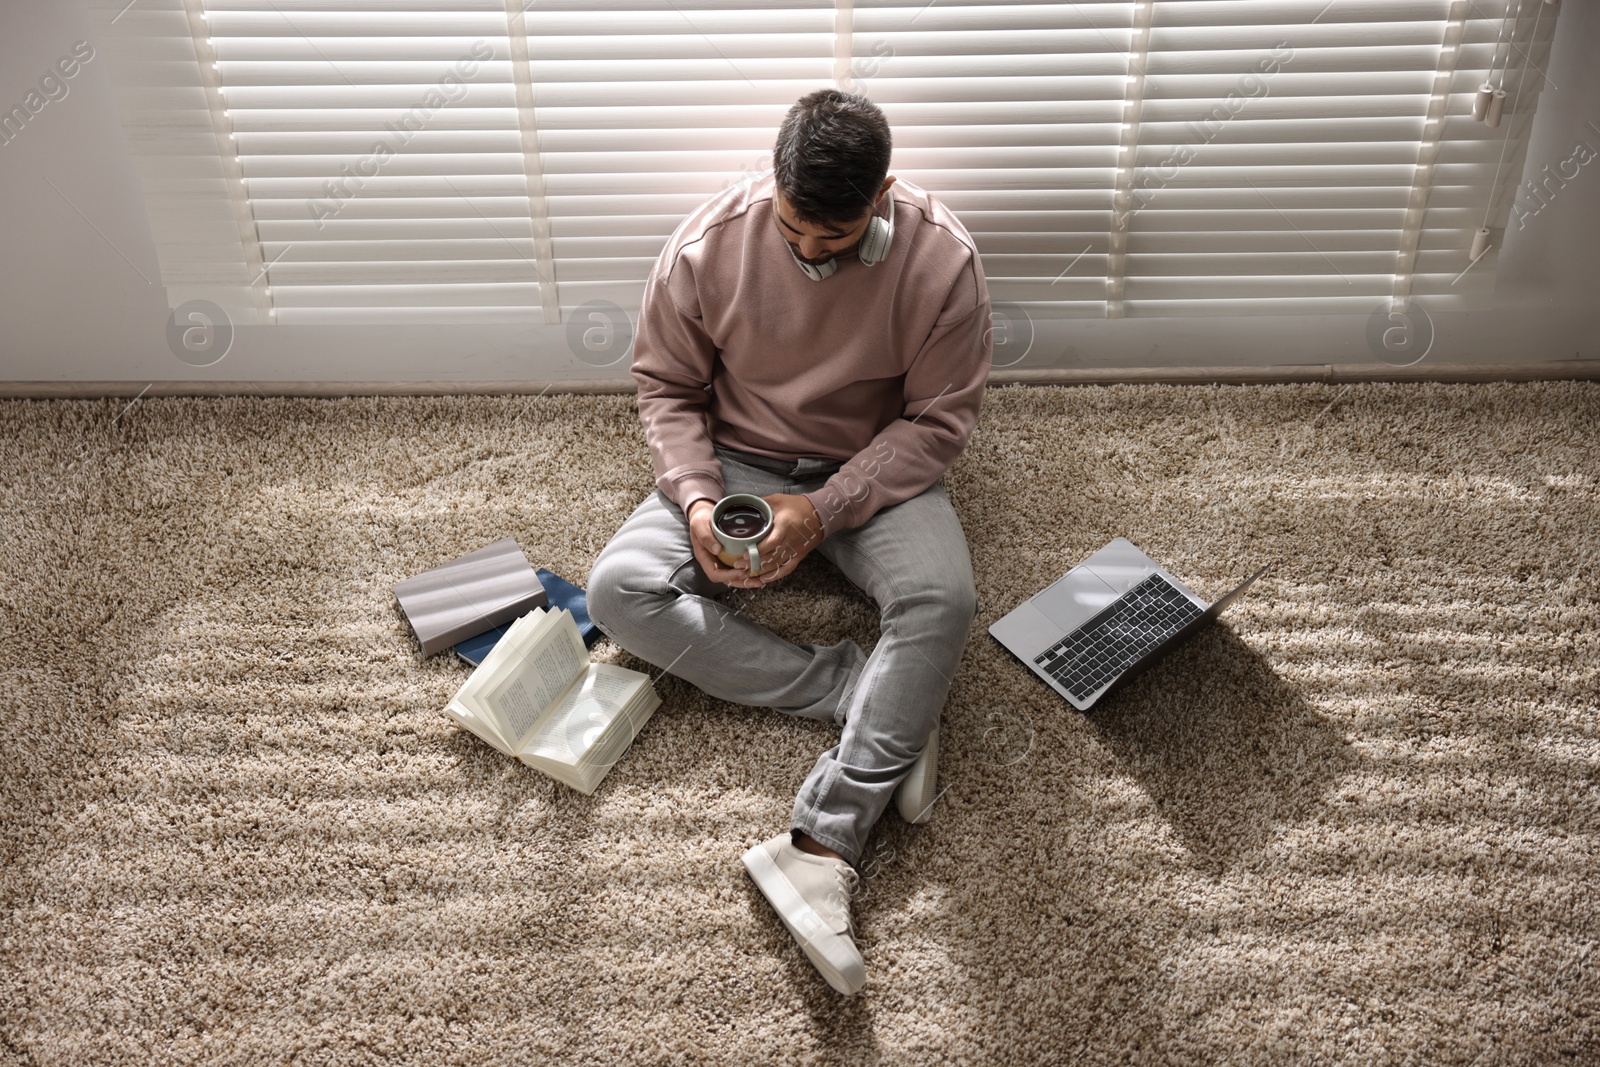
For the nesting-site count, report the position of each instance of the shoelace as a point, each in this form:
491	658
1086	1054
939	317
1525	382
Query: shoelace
848	879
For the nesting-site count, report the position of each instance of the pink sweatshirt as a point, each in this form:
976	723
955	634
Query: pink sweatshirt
881	366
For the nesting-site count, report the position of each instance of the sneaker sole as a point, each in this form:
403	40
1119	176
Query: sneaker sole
834	957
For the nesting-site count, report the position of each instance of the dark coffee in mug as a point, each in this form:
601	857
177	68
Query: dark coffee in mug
741	520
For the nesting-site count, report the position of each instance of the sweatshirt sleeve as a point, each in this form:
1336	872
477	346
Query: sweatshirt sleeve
673	359
943	392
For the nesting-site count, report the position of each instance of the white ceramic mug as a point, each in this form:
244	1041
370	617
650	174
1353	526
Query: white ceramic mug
741	531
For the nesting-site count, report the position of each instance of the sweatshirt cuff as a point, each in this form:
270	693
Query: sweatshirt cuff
693	487
832	521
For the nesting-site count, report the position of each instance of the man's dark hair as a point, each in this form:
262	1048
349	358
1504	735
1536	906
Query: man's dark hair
831	157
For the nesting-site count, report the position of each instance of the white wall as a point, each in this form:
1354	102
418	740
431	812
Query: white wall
81	300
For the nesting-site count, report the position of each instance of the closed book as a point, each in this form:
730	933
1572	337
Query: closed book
470	595
562	594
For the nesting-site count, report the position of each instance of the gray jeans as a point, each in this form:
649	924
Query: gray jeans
650	595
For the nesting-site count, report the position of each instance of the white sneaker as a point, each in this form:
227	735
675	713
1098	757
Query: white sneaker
811	894
914	796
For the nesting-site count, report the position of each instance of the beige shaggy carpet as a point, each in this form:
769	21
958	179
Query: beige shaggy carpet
1356	822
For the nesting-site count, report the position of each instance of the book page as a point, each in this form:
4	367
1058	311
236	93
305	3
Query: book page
525	692
583	715
496	665
464	717
505	658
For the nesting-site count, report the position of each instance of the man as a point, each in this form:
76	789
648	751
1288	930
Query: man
825	350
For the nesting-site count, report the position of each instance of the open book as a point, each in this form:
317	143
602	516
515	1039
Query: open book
536	696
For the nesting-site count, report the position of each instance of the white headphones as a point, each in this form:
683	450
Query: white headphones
873	248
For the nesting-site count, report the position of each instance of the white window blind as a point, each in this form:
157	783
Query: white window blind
647	108
383	157
1187	157
1154	157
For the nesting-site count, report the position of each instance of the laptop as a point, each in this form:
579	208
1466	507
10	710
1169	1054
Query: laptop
1104	621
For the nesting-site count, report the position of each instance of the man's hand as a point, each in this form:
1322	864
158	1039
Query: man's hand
706	546
796	530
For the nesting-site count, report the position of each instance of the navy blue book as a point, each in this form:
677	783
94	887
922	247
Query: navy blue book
563	594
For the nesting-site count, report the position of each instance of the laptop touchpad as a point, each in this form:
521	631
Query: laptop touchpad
1075	599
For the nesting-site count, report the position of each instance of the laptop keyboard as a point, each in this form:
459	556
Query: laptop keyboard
1114	640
